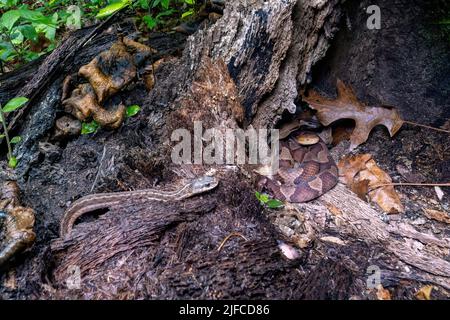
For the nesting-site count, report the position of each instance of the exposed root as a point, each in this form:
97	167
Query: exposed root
233	234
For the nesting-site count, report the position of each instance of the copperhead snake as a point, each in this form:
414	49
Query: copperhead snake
305	172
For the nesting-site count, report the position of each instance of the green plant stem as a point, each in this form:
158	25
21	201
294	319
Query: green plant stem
5	129
19	55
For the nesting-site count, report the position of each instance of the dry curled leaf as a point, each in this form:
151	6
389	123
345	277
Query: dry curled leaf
361	189
361	174
424	293
347	106
334	240
383	294
437	215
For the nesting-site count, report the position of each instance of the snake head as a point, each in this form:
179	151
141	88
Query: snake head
204	184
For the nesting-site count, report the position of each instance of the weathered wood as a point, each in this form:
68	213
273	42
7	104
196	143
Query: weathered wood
340	212
262	44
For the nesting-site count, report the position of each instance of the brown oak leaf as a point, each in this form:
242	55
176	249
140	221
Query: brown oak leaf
424	293
437	215
383	294
362	175
347	106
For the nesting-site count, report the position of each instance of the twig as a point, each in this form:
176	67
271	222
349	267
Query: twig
5	129
99	168
410	184
424	126
233	234
8	35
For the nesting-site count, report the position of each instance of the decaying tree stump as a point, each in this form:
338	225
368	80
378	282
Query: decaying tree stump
269	49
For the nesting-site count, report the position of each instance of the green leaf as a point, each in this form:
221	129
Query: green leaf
29	32
155	3
187	13
6	51
133	110
15	104
89	127
165	4
2	135
8	3
16	139
30	55
9	18
274	204
112	8
12	162
264	198
16	36
150	22
144	4
36	17
165	13
190	2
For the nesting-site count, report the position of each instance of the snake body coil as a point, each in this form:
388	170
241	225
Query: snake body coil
305	173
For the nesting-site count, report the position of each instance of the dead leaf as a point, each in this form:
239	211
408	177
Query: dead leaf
437	215
10	281
347	106
342	133
334	240
349	167
424	293
361	188
289	127
361	174
333	209
383	294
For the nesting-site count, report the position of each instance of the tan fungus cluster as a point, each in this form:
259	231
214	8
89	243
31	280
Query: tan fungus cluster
107	74
19	222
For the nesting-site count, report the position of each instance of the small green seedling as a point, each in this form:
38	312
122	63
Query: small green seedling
133	110
89	127
268	202
10	106
93	126
112	8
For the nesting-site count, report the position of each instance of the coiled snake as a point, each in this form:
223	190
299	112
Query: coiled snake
305	171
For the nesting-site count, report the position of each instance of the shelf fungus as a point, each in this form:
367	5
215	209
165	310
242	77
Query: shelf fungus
17	223
83	104
107	74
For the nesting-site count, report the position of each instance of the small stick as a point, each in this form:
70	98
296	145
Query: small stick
233	234
5	129
424	126
411	184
